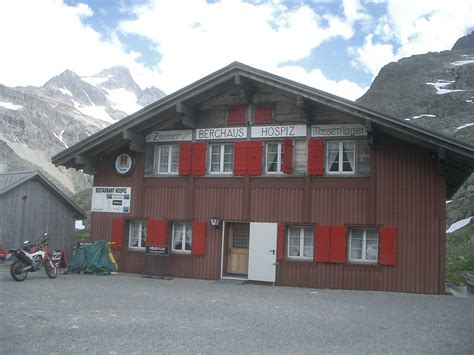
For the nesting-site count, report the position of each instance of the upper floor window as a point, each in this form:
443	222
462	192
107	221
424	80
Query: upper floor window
182	237
273	158
340	158
300	243
168	159
363	245
137	234
221	158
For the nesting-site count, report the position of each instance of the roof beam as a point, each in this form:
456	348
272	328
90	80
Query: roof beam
304	108
136	141
246	89
188	118
88	165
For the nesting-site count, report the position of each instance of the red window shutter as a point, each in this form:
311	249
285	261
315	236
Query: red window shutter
280	241
236	115
199	238
338	245
287	156
322	243
254	158
118	227
388	246
240	158
199	159
185	150
316	157
263	114
156	233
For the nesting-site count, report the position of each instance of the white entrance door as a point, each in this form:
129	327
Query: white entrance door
262	251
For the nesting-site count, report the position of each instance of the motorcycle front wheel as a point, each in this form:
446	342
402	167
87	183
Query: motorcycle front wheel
50	269
17	272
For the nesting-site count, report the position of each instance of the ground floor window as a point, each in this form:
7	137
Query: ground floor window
363	245
300	243
137	234
182	237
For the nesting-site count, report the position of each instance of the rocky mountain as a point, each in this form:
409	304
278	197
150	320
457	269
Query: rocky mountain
435	91
38	122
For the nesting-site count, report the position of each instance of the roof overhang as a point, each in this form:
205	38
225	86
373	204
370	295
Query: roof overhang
457	157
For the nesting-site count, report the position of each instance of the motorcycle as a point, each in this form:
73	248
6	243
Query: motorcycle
30	259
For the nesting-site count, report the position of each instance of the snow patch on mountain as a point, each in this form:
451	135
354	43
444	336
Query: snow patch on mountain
419	116
439	86
123	100
65	92
10	106
458	225
95	80
463	62
94	111
464	126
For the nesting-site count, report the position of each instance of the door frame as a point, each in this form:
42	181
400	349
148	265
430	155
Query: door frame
222	251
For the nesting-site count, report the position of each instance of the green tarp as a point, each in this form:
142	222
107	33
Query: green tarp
95	258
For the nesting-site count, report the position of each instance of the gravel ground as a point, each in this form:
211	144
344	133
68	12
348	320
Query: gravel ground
126	313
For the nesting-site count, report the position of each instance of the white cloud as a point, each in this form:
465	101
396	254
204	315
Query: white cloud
42	38
316	79
415	27
198	41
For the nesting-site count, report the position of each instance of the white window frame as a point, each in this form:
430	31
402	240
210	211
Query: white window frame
279	158
183	245
301	237
340	170
141	229
363	259
158	159
221	158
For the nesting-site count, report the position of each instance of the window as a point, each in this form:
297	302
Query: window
273	158
340	157
182	237
300	243
363	245
137	234
222	158
167	159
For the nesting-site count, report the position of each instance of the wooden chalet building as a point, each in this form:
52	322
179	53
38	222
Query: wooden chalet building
244	174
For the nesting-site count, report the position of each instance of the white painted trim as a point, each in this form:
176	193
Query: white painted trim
222	248
234	278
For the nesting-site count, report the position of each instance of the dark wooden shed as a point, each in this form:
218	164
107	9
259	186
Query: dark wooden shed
31	205
245	174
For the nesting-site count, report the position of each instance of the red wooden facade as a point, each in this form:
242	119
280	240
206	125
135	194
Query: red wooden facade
404	190
398	189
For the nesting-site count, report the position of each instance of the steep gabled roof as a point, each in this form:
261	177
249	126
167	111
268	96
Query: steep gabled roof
458	156
10	181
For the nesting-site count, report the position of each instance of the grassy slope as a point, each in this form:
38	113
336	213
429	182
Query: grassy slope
460	255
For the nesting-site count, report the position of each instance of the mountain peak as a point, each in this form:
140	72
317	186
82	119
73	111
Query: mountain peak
466	42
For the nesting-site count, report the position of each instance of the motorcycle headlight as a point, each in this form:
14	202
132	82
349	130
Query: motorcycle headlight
9	256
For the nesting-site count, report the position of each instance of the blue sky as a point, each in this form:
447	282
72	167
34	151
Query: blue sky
336	46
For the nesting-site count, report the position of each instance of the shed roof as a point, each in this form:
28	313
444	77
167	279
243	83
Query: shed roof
10	181
458	157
